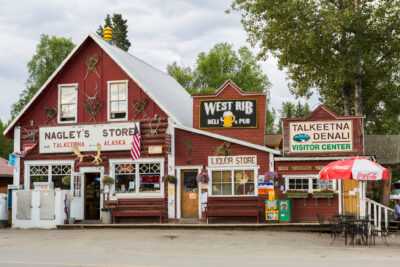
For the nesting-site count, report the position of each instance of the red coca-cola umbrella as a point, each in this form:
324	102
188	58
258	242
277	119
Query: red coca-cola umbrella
358	168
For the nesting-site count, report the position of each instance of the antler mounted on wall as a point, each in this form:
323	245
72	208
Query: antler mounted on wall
96	157
223	149
80	156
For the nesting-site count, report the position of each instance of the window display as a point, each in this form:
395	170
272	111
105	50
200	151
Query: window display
237	182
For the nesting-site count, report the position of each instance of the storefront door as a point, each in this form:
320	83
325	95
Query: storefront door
92	196
189	194
350	196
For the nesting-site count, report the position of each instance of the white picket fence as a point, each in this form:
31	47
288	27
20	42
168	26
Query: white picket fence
374	210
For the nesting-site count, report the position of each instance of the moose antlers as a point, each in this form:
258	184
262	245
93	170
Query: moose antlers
80	156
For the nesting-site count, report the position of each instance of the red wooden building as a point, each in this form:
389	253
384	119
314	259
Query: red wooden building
80	125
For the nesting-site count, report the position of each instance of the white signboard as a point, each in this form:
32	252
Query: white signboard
321	136
232	161
111	137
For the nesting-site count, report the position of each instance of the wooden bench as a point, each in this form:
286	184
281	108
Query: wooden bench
140	207
248	206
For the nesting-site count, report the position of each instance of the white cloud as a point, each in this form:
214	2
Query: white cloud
160	32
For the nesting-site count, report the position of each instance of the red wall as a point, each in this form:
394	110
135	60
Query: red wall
203	146
231	91
74	72
301	213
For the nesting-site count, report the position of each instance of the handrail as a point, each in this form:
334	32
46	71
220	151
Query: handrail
375	208
377	203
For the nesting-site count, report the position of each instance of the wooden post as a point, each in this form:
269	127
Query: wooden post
385	195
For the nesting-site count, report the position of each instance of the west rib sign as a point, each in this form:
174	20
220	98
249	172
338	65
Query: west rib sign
321	136
228	113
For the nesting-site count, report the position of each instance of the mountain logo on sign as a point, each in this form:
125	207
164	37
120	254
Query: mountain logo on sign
301	138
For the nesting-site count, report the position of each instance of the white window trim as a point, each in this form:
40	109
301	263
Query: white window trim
108	101
113	162
49	163
232	169
59	103
310	177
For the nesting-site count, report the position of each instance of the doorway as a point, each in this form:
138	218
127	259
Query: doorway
350	195
92	196
189	194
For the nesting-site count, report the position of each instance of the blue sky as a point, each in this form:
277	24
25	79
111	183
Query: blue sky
160	32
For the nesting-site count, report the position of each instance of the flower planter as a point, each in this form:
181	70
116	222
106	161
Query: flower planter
329	196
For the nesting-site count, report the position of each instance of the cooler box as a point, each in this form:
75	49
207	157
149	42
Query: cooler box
284	208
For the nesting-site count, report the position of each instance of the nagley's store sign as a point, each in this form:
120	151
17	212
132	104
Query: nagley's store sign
228	113
115	136
321	136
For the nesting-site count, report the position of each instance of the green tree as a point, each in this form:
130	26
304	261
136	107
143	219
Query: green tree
221	63
119	28
6	145
348	50
270	118
292	110
50	52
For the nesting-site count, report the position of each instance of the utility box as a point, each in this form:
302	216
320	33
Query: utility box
271	211
284	208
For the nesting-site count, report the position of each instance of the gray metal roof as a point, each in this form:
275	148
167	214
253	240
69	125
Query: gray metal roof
161	87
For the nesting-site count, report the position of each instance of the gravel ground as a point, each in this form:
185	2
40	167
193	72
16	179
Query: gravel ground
154	247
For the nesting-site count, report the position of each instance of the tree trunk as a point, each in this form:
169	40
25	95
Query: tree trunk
346	101
358	102
385	188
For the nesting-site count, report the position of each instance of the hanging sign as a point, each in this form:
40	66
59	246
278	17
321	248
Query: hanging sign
113	136
321	136
228	113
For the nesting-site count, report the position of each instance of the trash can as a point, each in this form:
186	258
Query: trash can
106	216
3	210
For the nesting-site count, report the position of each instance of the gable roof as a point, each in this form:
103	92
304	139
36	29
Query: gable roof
164	90
229	139
224	86
327	111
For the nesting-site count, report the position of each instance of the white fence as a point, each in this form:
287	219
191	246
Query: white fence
374	211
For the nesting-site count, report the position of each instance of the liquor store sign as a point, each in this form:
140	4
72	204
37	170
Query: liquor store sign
228	113
232	161
321	136
114	136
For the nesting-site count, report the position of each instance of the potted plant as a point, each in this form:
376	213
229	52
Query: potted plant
107	180
202	177
66	180
323	193
169	178
270	176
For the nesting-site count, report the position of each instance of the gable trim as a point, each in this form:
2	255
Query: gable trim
234	86
229	139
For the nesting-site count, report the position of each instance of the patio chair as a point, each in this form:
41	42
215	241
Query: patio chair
383	232
336	228
322	223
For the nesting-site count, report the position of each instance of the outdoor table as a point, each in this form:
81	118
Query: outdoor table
352	226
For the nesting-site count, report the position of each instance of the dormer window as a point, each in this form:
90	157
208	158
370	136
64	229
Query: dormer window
117	100
67	103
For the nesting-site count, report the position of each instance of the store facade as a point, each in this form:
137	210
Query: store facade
80	126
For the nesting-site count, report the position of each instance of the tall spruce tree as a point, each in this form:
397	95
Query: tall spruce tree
119	27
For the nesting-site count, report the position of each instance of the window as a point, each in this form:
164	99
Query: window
49	173
149	177
125	178
67	109
38	173
118	100
137	178
232	182
307	183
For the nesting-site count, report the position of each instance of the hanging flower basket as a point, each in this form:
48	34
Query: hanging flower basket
202	177
107	180
269	177
169	178
66	180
